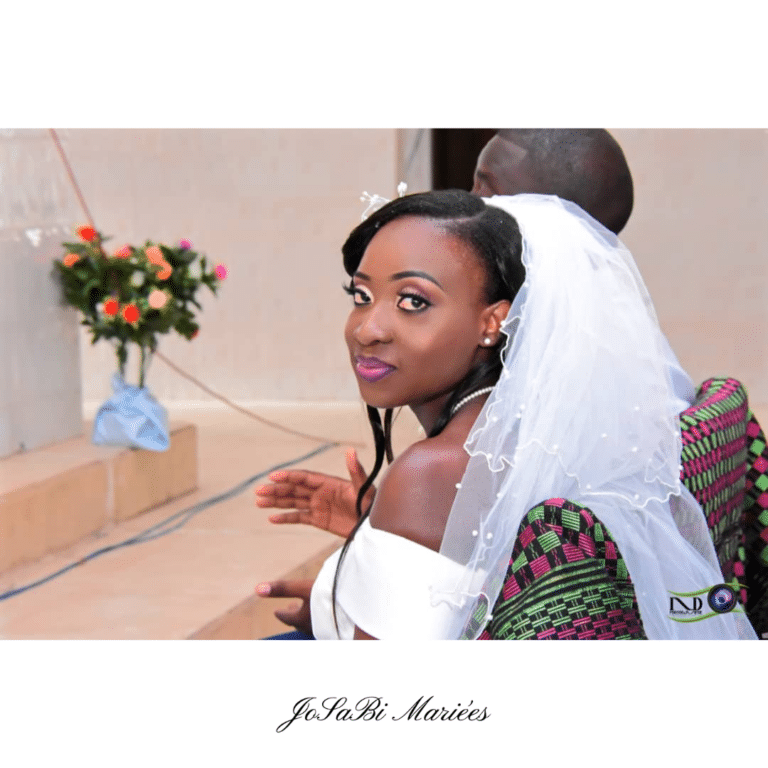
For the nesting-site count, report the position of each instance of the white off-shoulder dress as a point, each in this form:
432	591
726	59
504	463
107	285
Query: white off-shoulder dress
384	588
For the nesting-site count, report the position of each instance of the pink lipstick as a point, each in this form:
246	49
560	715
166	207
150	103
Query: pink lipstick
371	368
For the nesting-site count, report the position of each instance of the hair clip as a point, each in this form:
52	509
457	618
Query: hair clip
374	203
377	201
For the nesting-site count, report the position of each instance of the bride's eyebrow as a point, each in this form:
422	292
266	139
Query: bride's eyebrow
401	275
414	273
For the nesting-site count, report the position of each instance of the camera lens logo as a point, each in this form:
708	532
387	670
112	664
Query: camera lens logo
690	606
721	598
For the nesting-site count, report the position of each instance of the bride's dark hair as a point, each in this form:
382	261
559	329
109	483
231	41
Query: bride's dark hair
494	237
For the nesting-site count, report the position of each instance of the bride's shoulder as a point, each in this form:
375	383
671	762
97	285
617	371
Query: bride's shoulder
415	496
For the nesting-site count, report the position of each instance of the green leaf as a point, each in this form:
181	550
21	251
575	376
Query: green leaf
90	285
78	248
184	257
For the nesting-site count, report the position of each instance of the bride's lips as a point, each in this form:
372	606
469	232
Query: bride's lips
371	368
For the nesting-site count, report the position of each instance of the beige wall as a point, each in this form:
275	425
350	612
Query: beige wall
698	234
39	360
274	206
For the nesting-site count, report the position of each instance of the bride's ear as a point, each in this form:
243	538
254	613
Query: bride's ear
492	318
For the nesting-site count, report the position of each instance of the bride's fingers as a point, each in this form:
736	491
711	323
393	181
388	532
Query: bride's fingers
300	588
287	616
357	473
285	517
281	491
287	503
299	477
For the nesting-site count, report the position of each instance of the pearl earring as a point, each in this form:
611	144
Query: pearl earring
486	341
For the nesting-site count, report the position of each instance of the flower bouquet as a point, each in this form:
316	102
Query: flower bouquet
131	296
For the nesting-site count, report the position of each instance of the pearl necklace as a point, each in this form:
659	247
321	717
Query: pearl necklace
465	400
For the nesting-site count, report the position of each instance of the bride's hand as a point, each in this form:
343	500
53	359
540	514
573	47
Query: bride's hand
297	616
317	499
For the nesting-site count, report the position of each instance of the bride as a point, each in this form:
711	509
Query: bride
520	333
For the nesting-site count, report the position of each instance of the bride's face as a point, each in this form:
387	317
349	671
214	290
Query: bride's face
419	315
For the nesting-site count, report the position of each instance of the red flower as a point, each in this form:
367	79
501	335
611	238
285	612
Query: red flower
70	259
110	307
194	333
130	313
87	233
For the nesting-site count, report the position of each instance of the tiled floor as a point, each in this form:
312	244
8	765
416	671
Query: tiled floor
175	585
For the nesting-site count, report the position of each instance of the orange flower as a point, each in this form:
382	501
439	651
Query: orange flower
70	259
87	233
155	255
124	252
130	313
110	307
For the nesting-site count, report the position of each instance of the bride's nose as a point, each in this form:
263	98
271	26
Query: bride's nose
373	327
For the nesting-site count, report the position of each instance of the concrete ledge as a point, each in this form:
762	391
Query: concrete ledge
51	514
254	617
144	480
52	497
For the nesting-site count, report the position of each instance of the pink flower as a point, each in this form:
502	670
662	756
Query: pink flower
124	252
185	244
70	259
221	271
157	299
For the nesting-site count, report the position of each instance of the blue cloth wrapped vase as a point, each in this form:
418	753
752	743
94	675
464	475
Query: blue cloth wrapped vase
131	417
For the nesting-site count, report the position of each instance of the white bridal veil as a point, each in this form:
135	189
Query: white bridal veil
586	409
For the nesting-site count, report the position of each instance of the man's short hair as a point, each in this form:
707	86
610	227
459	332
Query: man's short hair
584	165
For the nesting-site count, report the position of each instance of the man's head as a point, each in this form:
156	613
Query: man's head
585	166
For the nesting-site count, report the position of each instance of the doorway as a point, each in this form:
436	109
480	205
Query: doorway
454	155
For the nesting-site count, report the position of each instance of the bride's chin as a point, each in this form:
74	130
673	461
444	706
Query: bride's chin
380	400
382	404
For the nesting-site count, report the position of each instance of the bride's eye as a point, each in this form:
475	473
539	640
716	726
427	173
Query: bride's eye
362	296
359	294
412	302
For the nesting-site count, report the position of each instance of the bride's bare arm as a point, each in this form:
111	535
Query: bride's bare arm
416	495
